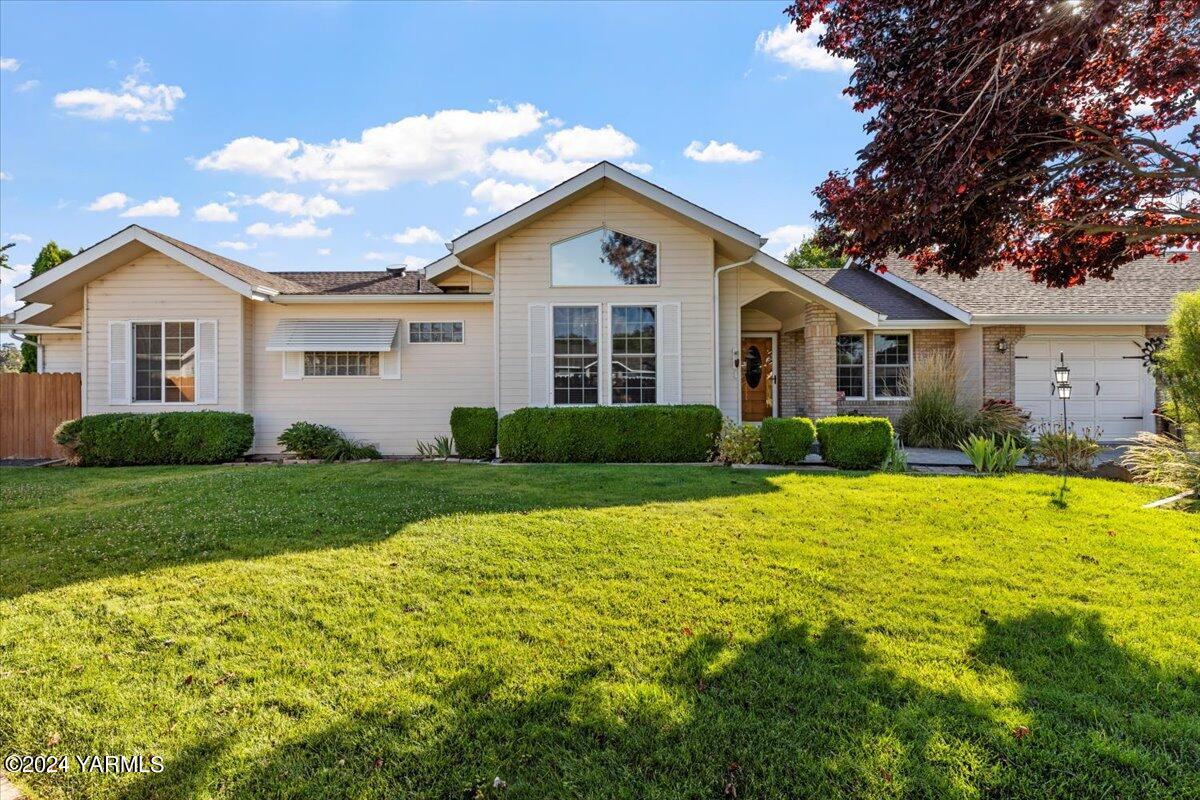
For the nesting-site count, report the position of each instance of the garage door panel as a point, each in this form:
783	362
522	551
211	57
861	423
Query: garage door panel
1072	348
1034	348
1119	368
1033	369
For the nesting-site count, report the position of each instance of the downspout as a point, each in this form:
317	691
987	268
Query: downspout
717	327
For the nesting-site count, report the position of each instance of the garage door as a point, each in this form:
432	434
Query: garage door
1110	389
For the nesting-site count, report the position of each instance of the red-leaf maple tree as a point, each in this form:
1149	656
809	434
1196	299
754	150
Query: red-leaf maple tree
1059	136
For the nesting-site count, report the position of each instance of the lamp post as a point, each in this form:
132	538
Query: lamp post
1062	383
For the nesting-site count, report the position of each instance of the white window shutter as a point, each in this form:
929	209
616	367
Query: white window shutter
119	345
293	366
206	361
389	360
539	354
670	362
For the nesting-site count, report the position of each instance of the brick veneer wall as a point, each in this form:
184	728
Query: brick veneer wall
791	374
999	369
820	362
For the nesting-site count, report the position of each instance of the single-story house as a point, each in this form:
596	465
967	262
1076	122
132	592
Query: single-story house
606	289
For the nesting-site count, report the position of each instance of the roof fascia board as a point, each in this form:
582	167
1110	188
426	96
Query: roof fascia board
1069	319
19	328
298	299
924	324
583	180
134	233
814	287
926	295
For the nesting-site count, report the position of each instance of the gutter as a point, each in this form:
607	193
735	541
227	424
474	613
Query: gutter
298	299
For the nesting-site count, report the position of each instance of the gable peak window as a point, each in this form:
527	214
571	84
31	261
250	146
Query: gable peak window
604	257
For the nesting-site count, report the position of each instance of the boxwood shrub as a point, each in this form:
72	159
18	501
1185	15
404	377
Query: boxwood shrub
610	434
171	437
787	441
474	431
855	442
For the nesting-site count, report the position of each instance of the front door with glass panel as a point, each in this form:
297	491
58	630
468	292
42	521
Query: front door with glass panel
758	378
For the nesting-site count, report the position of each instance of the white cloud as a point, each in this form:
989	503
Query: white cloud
18	274
4	176
9	65
304	229
134	101
323	251
109	202
295	205
786	237
636	166
215	212
420	235
21	238
470	211
27	86
590	144
540	165
800	49
431	148
238	245
718	153
501	196
375	256
159	207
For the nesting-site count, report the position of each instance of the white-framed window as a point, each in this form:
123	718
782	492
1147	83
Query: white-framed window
435	332
892	364
604	257
575	349
164	361
341	364
633	347
852	365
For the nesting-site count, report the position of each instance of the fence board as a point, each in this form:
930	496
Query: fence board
31	406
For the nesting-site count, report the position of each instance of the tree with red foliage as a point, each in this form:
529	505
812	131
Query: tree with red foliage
1055	135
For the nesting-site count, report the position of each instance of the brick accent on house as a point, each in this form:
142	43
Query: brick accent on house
820	361
791	374
925	343
999	369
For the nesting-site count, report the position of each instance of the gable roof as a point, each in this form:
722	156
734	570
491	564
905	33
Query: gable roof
605	172
360	283
252	275
877	294
1140	291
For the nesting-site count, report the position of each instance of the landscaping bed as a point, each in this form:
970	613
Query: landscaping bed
422	630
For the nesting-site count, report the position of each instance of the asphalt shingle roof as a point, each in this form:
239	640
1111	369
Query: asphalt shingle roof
367	282
1145	286
237	269
876	293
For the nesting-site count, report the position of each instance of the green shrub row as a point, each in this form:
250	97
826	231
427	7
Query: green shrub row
787	441
171	437
474	431
665	434
855	442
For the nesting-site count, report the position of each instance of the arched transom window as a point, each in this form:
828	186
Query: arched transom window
604	257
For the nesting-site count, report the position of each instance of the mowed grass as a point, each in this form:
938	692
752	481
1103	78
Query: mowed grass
389	630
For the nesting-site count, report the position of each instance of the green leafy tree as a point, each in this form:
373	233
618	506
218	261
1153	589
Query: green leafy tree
10	357
49	257
4	255
810	255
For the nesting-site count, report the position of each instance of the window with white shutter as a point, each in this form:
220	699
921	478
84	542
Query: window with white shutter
539	365
119	382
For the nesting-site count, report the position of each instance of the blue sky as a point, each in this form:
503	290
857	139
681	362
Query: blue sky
350	136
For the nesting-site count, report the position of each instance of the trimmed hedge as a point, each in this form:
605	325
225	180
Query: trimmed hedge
855	442
787	441
661	434
170	437
474	431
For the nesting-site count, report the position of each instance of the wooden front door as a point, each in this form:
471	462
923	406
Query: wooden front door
758	378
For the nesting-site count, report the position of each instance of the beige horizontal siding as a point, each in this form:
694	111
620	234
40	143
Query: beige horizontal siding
685	276
155	287
62	352
392	414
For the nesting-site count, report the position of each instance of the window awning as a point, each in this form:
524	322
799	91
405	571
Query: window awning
333	335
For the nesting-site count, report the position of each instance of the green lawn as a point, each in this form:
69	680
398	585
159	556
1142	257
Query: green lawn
387	630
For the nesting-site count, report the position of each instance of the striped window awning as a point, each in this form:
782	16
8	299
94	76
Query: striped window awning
333	335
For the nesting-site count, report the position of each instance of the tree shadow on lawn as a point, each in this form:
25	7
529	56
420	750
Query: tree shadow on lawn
793	714
70	526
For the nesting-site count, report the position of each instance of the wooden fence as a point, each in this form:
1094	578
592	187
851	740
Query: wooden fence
31	407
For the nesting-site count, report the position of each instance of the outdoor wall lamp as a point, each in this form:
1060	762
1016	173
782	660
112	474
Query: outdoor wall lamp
1002	346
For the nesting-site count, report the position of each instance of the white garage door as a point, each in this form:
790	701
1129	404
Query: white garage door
1110	389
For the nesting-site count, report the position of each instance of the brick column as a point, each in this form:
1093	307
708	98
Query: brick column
791	373
999	369
820	361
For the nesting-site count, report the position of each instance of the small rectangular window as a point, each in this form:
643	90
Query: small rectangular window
164	362
893	364
576	355
852	365
435	332
330	365
634	356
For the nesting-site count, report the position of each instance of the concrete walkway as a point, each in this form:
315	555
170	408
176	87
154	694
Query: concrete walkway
932	457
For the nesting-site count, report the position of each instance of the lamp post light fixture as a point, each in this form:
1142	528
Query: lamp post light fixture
1062	383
